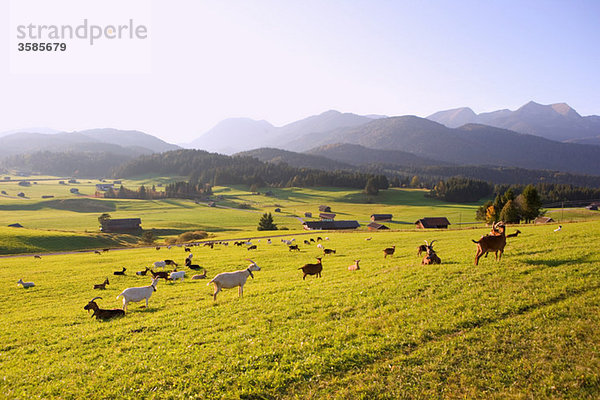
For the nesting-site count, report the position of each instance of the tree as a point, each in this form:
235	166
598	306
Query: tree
266	223
371	187
531	203
104	217
254	188
510	213
415	182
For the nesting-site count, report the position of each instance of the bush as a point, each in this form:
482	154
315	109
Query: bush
244	206
191	236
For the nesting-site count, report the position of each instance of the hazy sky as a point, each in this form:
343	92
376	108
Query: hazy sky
285	60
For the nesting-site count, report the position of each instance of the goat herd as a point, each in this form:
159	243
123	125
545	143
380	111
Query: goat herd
495	242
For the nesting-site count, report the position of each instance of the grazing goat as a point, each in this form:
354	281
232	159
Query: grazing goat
312	269
431	257
160	275
105	250
97	252
101	313
355	266
157	247
136	294
177	275
319	239
187	249
26	285
253	247
170	262
228	280
328	251
200	276
36	256
389	251
495	243
306	242
102	286
120	272
142	273
294	247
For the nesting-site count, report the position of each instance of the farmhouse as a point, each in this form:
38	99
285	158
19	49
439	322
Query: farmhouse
330	225
543	220
325	209
381	217
433	223
308	215
376	226
121	225
593	206
327	216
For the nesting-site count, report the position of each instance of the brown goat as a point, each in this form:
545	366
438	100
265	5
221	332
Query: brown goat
160	274
101	286
431	257
421	249
389	251
312	269
100	313
495	243
355	266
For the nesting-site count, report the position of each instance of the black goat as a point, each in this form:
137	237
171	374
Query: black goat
120	272
101	313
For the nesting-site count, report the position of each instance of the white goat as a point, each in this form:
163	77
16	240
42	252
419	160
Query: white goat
26	285
177	275
228	280
136	294
160	264
320	246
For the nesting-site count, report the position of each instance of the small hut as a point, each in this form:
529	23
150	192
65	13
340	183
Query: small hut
325	209
376	226
543	220
327	216
433	223
381	217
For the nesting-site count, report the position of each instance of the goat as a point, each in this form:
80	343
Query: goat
253	247
102	286
294	247
159	264
328	251
431	257
188	263
320	246
120	272
160	274
136	294
157	247
312	269
558	229
306	242
312	240
177	275
355	266
105	250
495	243
97	252
389	251
200	276
101	313
228	280
170	262
495	232
142	273
36	256
187	249
319	239
422	249
26	285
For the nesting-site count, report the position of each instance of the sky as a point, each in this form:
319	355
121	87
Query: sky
205	61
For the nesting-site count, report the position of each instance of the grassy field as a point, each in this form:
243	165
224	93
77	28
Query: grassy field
524	327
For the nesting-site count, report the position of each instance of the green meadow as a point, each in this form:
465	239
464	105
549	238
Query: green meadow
523	327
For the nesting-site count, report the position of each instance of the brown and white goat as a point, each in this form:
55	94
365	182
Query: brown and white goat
101	286
101	313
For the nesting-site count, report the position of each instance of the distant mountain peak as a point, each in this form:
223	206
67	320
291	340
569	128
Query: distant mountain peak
565	110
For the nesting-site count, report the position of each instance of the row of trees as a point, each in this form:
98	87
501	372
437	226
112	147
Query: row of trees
461	190
512	208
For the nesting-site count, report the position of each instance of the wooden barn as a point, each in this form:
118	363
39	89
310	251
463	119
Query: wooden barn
121	225
326	209
381	217
376	226
327	216
433	223
330	225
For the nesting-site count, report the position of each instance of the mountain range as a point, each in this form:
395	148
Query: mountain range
121	142
552	137
555	121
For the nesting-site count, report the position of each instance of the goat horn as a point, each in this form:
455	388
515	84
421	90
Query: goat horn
426	243
431	244
95	298
247	259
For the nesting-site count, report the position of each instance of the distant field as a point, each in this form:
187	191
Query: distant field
524	327
78	213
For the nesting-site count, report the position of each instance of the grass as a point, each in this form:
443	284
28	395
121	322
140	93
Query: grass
524	327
